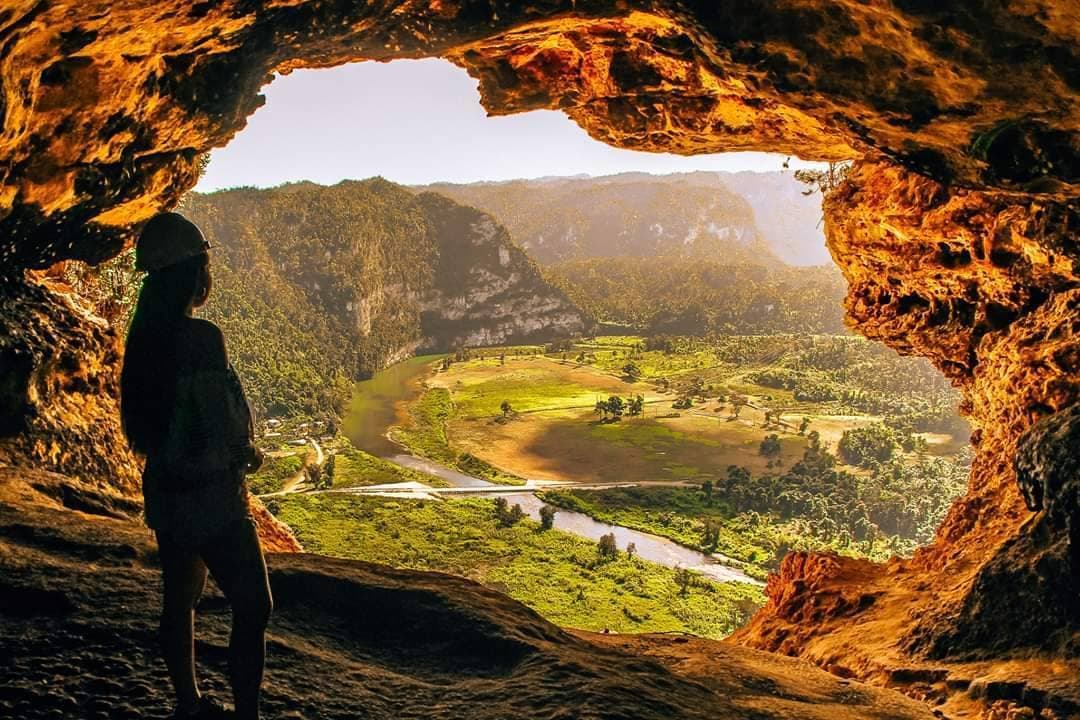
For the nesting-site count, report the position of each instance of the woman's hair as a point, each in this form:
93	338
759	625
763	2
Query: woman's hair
148	380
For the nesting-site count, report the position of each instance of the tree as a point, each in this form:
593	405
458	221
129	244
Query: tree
684	578
635	405
707	489
770	447
738	402
328	470
710	536
601	409
508	516
547	517
615	407
631	550
506	408
631	371
804	424
868	446
606	547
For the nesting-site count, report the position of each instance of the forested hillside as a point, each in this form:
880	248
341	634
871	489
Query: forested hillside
695	296
787	214
316	286
564	219
744	217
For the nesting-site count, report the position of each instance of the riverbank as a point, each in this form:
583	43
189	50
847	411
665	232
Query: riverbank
560	575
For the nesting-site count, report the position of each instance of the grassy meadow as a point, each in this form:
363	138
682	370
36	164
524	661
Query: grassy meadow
559	575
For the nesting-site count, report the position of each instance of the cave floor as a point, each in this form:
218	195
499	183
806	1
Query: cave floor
78	605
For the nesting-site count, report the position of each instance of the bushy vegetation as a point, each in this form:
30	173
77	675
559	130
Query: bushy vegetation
560	575
815	505
274	472
696	296
356	468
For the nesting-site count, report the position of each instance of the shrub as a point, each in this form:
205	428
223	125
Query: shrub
606	547
547	517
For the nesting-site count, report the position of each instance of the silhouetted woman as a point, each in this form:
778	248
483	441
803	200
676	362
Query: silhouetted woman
183	409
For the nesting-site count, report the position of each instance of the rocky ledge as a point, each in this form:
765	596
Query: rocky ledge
79	598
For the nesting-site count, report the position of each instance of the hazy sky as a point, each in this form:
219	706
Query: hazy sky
416	122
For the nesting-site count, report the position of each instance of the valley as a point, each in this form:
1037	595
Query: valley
434	398
473	434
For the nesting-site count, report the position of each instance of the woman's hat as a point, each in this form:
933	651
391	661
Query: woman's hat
168	238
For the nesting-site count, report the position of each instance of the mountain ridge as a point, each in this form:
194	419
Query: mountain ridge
319	285
785	220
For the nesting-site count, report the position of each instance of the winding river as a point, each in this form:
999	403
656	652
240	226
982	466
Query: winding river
381	402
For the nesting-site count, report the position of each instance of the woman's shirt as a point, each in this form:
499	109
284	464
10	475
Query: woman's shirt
193	484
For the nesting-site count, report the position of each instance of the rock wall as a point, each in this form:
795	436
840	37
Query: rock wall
59	388
107	103
986	285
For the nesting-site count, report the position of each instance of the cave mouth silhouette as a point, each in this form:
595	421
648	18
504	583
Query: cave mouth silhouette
954	229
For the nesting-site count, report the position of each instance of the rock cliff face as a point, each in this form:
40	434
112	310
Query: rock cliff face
386	271
486	290
957	231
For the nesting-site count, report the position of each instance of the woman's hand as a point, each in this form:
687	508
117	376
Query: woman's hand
254	460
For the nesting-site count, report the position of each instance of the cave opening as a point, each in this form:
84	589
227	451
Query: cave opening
342	241
955	231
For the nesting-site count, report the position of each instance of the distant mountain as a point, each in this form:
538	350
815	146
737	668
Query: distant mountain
789	219
316	286
740	218
562	219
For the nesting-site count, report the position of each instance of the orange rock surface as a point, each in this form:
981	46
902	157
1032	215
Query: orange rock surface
957	231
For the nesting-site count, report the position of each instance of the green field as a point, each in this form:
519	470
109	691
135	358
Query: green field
355	468
532	415
425	434
559	575
274	472
553	432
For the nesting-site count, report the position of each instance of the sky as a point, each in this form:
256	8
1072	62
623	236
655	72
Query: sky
416	122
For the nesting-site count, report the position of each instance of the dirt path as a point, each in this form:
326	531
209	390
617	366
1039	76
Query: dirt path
293	484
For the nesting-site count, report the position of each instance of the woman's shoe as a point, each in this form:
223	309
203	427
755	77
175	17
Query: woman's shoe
207	709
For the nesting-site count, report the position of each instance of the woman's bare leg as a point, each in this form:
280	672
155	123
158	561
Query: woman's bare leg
237	565
184	576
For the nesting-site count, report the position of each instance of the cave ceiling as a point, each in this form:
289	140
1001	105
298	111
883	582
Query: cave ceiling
107	104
